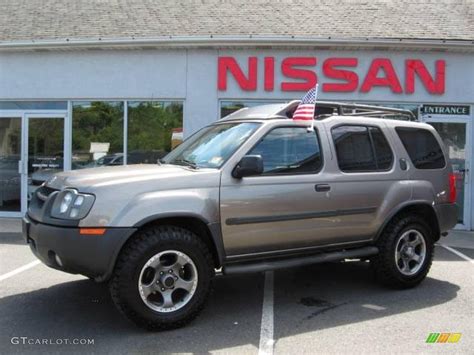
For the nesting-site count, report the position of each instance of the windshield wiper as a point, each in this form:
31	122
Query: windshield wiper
185	162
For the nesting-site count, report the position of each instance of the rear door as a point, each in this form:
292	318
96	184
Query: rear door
367	180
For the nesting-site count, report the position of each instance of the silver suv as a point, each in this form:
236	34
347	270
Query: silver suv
254	191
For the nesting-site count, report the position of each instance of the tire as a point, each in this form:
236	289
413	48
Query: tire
157	246
401	270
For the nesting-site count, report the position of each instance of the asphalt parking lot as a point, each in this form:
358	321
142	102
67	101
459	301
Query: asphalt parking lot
326	308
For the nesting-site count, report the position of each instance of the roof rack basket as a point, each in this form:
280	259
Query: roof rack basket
352	109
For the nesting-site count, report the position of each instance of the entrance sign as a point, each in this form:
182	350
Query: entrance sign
463	110
339	74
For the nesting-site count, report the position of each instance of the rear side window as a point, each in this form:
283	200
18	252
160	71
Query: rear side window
361	149
422	147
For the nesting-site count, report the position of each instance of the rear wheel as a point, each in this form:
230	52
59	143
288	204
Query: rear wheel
162	278
406	250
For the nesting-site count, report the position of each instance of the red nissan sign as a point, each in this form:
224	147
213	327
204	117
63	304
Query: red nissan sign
300	75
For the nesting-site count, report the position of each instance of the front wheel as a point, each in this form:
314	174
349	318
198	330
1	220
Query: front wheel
162	277
406	250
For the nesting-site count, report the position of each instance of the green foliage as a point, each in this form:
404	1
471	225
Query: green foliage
150	125
98	122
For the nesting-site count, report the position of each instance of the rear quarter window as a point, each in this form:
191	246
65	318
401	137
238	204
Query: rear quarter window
422	148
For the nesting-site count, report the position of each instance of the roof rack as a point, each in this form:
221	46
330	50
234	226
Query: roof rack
353	109
324	109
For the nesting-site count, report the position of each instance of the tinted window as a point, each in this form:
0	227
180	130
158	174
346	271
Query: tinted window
289	150
422	147
353	148
383	153
361	148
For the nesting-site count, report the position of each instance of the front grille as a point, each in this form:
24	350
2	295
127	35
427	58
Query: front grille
43	193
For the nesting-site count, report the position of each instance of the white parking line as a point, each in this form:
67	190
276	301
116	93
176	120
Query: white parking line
20	269
266	327
458	253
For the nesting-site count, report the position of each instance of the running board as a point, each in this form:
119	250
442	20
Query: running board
266	265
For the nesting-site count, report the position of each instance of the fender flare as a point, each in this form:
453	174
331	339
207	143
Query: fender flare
399	208
214	229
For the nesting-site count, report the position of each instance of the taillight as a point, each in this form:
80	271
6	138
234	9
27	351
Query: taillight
452	187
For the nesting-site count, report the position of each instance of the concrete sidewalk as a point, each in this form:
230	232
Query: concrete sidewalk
456	238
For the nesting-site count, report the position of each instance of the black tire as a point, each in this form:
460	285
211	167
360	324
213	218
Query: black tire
143	246
384	265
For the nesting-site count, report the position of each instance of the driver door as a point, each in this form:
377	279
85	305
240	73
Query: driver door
276	210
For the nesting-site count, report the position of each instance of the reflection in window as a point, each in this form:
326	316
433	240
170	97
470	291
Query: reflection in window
97	134
228	107
154	129
211	146
10	150
422	147
353	149
289	150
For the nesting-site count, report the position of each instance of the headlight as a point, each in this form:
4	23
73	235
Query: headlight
70	204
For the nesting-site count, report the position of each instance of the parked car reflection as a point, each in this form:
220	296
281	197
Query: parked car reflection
10	183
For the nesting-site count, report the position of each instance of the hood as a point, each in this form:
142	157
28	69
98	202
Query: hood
141	176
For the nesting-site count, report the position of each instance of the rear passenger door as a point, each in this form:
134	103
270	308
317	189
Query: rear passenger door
367	179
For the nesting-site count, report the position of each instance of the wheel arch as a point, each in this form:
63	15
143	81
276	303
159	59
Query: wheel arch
420	208
209	233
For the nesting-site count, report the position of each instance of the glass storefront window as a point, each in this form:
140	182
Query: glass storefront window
97	134
154	129
228	107
10	155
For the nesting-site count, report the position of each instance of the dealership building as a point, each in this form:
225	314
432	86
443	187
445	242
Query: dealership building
88	83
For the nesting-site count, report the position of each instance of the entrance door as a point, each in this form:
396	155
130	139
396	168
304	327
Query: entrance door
455	138
44	150
10	158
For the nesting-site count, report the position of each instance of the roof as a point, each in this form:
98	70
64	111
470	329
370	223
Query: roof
61	20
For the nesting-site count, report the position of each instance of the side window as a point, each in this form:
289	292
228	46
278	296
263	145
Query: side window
382	150
289	150
422	147
361	148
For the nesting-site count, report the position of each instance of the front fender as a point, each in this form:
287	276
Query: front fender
202	203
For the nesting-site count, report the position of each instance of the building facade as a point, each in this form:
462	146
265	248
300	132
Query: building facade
72	105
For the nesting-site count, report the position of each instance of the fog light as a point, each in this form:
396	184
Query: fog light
58	260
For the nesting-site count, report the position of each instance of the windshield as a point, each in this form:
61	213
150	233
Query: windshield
211	146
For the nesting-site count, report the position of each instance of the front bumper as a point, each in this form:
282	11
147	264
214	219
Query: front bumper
65	249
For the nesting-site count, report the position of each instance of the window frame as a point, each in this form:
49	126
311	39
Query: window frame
436	140
372	145
318	139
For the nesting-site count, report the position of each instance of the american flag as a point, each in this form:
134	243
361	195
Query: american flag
305	110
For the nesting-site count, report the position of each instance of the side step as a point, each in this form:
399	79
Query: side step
266	265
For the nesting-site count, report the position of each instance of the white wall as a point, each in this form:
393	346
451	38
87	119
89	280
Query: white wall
192	75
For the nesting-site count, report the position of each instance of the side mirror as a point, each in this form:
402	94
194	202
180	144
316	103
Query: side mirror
249	165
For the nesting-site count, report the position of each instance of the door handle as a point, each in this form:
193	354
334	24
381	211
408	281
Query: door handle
322	187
